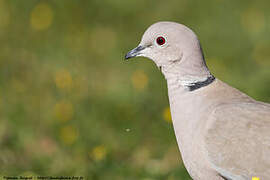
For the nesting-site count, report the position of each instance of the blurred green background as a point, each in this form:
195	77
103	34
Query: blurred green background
71	105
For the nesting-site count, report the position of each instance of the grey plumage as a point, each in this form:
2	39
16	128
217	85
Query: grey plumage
221	132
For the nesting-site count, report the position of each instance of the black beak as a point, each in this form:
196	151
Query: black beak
134	52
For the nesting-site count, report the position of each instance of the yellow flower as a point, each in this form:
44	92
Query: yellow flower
139	80
167	115
98	153
63	80
41	17
255	178
68	134
63	111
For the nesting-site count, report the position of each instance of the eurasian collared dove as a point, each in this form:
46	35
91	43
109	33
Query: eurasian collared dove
221	132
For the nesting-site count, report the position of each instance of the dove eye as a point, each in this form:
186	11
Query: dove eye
160	40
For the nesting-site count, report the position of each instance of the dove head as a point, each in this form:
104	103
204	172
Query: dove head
171	45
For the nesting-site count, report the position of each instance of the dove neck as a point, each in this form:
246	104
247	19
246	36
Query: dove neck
190	70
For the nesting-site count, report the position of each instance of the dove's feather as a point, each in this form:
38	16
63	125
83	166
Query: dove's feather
238	139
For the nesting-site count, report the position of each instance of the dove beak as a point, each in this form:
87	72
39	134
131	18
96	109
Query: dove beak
134	52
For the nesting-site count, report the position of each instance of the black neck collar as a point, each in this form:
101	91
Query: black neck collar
200	84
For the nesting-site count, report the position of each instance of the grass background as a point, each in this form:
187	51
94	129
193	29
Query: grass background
71	105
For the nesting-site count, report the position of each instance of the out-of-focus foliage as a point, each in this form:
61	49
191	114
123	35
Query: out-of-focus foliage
71	105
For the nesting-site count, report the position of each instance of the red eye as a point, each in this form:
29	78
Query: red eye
160	40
